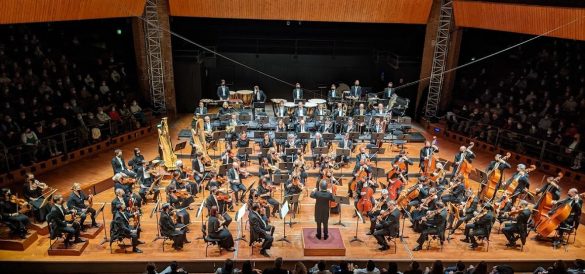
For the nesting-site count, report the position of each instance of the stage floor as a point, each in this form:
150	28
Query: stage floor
95	169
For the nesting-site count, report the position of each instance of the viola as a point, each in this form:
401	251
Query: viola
493	179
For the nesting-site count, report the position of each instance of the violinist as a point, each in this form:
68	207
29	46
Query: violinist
265	169
181	204
228	156
60	225
235	179
424	188
260	229
572	221
426	152
467	211
146	177
362	155
136	161
170	228
433	223
198	168
388	224
273	157
216	229
221	201
426	204
33	193
346	143
381	205
551	187
122	181
293	187
518	226
121	228
463	151
77	200
9	211
402	160
521	178
190	186
479	226
264	191
317	142
290	143
455	193
120	199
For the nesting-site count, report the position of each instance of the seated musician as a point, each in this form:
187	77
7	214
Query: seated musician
223	202
403	161
229	155
267	142
122	181
120	199
361	110
207	128
231	125
333	94
223	91
260	229
301	111
339	111
380	205
264	191
121	228
273	157
345	143
425	153
480	227
434	224
280	111
119	166
225	109
361	155
169	228
389	90
258	95
425	205
183	180
235	179
379	110
265	169
317	142
291	142
438	177
423	187
10	215
201	110
470	205
198	168
299	169
363	164
574	217
136	161
243	142
217	229
33	193
181	201
327	126
456	192
76	202
293	187
297	93
146	178
395	185
321	111
348	127
59	224
521	176
388	224
377	127
469	156
281	126
519	226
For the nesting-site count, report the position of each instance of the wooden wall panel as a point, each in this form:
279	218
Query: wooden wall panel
29	11
363	11
519	18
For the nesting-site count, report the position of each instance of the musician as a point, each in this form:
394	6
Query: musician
379	110
76	202
322	197
467	209
456	194
361	110
469	156
302	127
518	226
280	111
267	142
551	187
424	205
227	157
120	199
225	109
221	201
301	111
346	143
216	229
389	225
293	187
297	92
171	229
339	111
9	211
273	157
348	127
503	165
181	204
361	156
402	160
281	126
235	180
259	95
223	91
356	89
264	191
58	223
201	110
333	94
395	185
198	169
243	142
208	130
122	181
291	142
327	126
433	225
523	184
425	153
231	126
136	161
259	229
146	178
321	111
192	187
317	142
378	127
572	221
423	187
389	91
121	228
480	227
119	166
381	205
33	193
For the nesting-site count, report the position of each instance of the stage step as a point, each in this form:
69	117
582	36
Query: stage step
8	242
41	228
333	246
92	232
58	249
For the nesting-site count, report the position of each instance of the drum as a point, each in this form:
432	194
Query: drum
310	108
290	107
277	101
234	95
246	96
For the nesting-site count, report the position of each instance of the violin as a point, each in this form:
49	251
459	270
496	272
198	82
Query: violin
22	205
127	180
183	194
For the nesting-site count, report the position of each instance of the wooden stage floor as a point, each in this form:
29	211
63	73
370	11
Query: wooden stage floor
95	169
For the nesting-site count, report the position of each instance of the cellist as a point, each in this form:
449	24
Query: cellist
358	172
395	185
403	161
572	221
426	153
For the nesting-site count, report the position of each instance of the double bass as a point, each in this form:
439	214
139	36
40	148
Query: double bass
514	183
430	163
545	201
493	179
464	167
550	223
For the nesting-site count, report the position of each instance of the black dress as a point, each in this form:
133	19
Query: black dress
224	235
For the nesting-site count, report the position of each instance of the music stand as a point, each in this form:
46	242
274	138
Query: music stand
257	105
293	199
155	211
285	166
354	135
225	117
378	136
223	169
340	119
319	151
343	152
280	135
241	128
244	118
283	212
304	135
357	223
291	152
245	151
341	200
239	217
263	120
328	136
216	136
105	239
280	179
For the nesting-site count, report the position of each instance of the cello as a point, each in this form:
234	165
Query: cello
364	204
408	195
464	167
550	223
545	201
493	179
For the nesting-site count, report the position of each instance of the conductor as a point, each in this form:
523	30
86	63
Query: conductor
323	197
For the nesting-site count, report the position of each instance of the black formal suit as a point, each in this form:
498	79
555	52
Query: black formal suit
217	231
481	227
59	225
116	202
301	112
120	228
553	190
223	92
425	152
118	165
333	94
322	198
436	225
200	111
523	184
297	94
360	112
259	229
77	202
326	128
388	227
467	215
501	168
520	226
355	91
236	185
16	222
469	156
388	93
259	96
136	162
344	144
168	229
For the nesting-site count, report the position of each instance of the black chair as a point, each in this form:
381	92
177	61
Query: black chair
54	236
209	240
392	239
568	231
254	239
119	240
164	237
486	238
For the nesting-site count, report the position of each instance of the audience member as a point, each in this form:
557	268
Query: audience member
277	269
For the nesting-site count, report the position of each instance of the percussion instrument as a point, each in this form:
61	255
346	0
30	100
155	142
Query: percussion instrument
290	106
342	87
206	101
246	96
310	108
234	95
278	100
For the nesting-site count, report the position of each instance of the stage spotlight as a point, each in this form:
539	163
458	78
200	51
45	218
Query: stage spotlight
119	31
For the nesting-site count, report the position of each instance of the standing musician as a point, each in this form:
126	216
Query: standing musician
523	184
59	224
434	223
469	156
223	91
259	229
172	229
259	95
480	225
181	204
293	187
234	177
121	228
356	89
264	191
346	143
388	224
322	197
201	110
76	202
502	165
217	229
33	193
9	212
297	92
221	201
136	161
119	166
518	226
572	220
389	91
467	211
147	177
380	206
426	152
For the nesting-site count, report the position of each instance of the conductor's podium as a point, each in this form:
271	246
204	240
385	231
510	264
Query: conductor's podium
333	246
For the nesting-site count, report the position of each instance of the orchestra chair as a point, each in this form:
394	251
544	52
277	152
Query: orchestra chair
119	240
485	239
433	237
209	241
392	239
568	231
53	235
254	239
164	237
